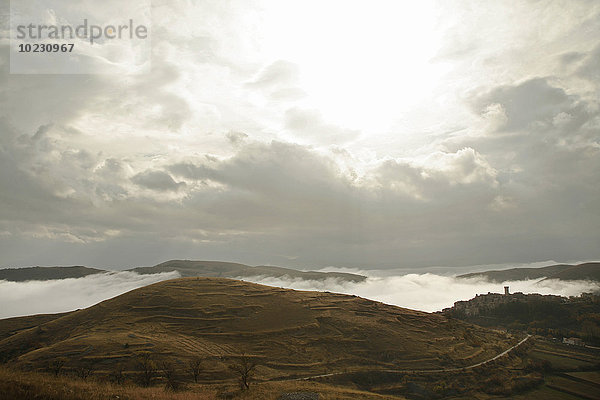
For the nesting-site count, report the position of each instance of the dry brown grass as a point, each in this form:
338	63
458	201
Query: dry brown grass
32	385
272	390
290	333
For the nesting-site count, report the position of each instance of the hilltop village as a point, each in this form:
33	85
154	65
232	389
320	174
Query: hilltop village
482	303
574	319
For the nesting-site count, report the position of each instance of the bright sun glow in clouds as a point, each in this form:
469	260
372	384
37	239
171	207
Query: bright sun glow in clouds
362	64
370	134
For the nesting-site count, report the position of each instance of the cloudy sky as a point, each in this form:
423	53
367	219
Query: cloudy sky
309	133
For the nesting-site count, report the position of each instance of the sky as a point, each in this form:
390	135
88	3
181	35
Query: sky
354	134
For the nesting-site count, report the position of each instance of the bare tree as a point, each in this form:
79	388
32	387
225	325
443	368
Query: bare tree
117	375
195	366
56	366
83	372
147	368
244	367
170	374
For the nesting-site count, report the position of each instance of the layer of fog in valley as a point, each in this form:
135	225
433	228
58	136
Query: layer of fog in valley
59	295
426	291
430	292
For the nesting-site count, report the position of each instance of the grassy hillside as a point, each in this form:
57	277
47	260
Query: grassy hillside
568	372
289	333
46	273
10	326
36	386
590	271
189	268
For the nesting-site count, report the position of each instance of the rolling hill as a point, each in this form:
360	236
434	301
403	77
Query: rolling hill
10	326
586	271
289	333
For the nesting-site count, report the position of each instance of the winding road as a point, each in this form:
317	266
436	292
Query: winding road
422	371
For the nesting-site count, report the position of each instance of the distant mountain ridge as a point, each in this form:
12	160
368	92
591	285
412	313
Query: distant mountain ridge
565	272
219	269
187	268
46	273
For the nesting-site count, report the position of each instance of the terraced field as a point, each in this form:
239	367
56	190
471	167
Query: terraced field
571	372
289	333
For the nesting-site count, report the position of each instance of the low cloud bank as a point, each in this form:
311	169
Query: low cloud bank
430	292
41	297
426	292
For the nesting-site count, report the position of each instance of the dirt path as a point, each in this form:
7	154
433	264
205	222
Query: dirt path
505	352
